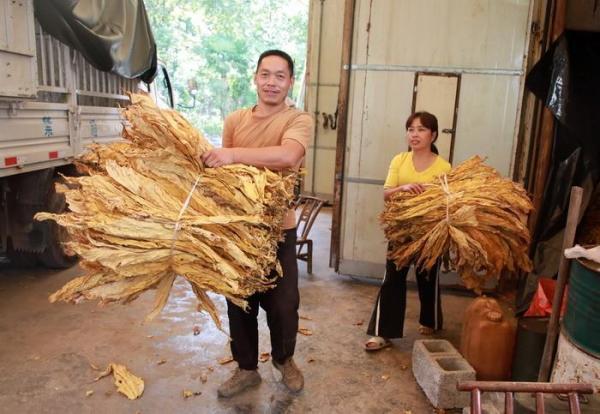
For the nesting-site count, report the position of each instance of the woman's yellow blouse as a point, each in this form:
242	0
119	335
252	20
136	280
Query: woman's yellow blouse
402	171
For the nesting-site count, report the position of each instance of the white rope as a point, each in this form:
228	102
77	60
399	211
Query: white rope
184	207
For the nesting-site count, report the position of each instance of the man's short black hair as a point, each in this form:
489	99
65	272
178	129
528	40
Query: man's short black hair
281	54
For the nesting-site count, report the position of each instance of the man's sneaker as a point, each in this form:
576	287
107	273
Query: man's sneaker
292	377
239	381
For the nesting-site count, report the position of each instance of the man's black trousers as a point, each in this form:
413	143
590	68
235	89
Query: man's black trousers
281	306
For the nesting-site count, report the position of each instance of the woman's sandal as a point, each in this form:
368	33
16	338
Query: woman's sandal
376	343
426	330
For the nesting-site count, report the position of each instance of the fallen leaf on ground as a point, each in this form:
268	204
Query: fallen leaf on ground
196	330
211	369
162	361
358	323
305	331
150	336
104	373
385	377
264	357
127	383
204	377
88	393
189	393
225	360
306	318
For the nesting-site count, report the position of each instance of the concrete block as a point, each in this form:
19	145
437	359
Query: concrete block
437	367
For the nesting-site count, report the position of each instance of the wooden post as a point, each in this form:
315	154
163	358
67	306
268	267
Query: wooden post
544	151
342	129
563	276
544	154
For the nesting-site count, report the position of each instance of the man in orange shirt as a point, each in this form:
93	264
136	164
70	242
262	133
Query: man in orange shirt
274	135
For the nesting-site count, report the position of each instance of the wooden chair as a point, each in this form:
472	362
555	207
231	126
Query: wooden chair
309	209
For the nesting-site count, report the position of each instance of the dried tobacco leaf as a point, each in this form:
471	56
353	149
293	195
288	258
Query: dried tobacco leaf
305	331
127	383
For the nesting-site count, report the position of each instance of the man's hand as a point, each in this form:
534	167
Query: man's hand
217	157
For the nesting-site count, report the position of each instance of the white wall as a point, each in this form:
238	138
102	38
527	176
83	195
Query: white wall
482	40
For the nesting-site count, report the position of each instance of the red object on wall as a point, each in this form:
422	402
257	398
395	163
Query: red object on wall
541	304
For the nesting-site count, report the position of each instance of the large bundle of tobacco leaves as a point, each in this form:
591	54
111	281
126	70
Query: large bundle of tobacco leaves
148	211
472	216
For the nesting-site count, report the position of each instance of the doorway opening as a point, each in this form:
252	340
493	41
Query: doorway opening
438	93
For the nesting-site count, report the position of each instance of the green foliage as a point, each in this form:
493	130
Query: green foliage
216	44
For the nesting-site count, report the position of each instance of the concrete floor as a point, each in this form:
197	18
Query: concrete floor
46	350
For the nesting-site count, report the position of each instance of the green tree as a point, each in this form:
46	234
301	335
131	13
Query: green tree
210	48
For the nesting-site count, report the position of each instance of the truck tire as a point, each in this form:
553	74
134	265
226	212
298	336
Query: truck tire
54	255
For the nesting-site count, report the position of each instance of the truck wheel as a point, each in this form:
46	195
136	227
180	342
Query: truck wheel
55	256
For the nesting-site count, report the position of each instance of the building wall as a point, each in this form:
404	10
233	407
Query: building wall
482	41
322	84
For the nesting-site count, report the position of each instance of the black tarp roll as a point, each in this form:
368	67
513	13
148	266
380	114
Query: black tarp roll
113	35
567	79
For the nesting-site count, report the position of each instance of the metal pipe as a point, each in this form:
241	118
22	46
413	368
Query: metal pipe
509	407
50	44
60	63
476	401
539	403
434	69
518	119
41	39
362	180
323	84
574	403
317	111
504	386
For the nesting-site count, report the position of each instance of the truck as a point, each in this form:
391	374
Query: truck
53	103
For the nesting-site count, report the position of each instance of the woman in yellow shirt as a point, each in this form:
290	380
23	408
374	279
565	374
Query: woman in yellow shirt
408	172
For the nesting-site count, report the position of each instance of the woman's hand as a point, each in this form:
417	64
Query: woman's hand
409	188
412	188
